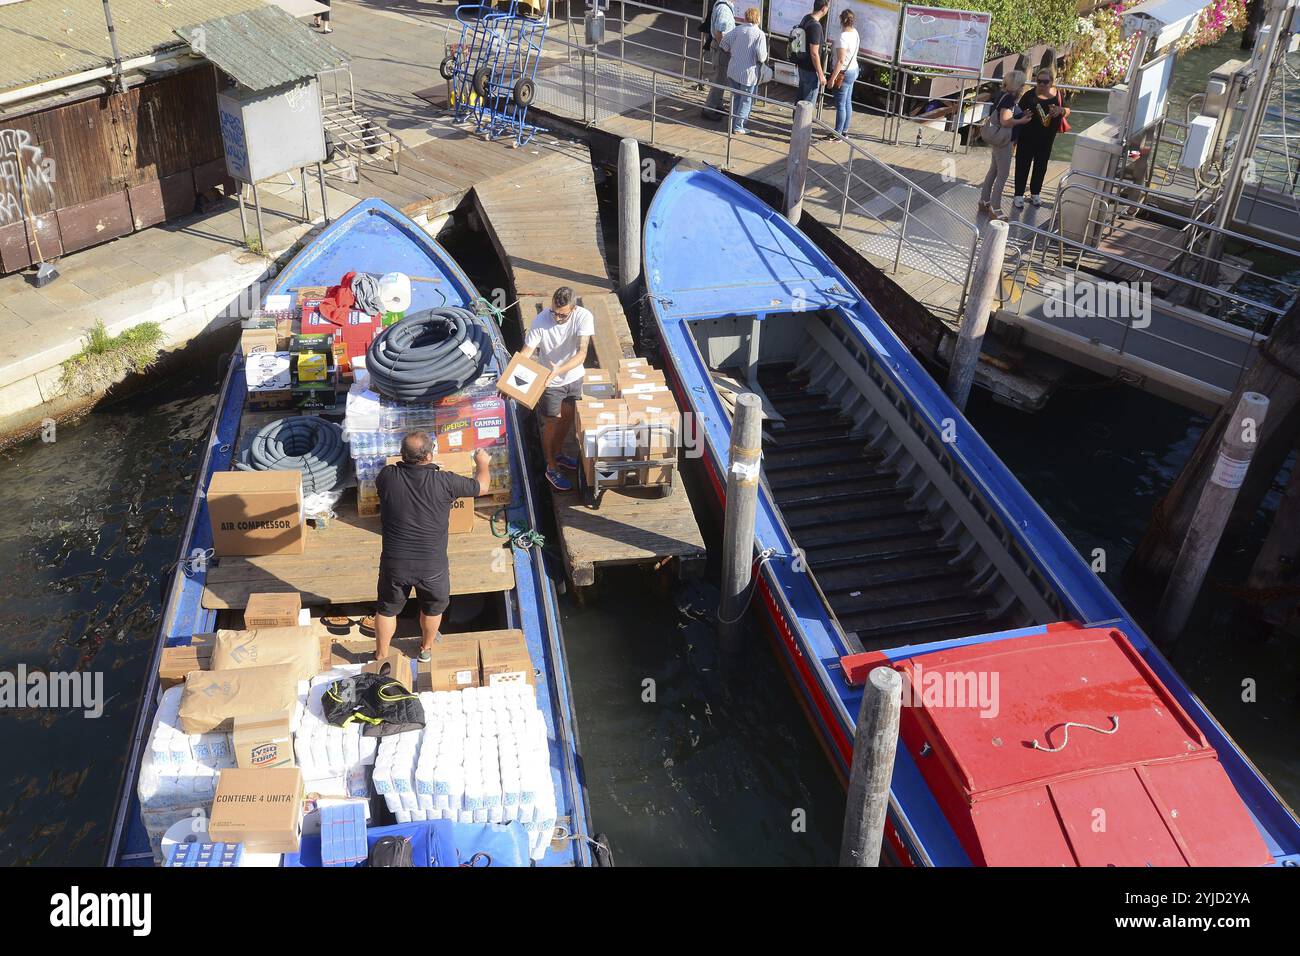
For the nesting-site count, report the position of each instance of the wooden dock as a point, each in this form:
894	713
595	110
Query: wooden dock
545	225
932	261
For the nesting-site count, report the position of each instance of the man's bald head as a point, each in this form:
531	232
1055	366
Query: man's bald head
417	447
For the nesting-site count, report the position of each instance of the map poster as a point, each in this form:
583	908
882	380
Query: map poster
784	15
876	23
944	39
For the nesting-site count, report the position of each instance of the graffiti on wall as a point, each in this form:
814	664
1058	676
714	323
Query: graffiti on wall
23	167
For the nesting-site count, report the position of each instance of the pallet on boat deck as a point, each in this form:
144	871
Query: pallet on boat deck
340	564
545	225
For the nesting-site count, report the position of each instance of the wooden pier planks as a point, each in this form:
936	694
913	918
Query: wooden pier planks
545	225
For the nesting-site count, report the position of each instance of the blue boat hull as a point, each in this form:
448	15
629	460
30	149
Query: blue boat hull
374	237
700	219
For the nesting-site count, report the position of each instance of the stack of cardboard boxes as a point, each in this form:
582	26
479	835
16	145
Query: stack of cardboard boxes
627	416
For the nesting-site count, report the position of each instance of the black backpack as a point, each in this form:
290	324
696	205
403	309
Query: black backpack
382	703
391	851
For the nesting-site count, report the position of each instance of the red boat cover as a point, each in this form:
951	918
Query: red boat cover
1130	781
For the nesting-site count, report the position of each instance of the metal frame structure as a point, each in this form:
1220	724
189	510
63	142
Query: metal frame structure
358	140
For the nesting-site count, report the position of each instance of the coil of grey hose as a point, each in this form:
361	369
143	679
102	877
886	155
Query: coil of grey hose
303	443
428	355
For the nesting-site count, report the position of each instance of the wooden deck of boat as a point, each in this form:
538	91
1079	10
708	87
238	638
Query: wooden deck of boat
545	225
340	563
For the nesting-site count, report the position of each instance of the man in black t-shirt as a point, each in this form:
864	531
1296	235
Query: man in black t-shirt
812	76
415	499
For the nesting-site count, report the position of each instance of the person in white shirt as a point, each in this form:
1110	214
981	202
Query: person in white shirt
559	338
845	72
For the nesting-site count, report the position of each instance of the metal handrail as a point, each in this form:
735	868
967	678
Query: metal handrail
857	154
1196	222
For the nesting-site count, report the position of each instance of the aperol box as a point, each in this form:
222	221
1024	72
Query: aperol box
480	423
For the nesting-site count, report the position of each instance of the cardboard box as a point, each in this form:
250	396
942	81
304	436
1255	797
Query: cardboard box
253	341
176	662
270	401
273	609
634	364
263	741
261	809
629	381
461	518
256	512
524	380
268	371
477	424
454	665
504	659
597	383
603	431
400	664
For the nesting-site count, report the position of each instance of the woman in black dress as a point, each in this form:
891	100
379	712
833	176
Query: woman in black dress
1045	104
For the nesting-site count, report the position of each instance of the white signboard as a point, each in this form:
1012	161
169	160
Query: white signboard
784	15
944	39
876	22
1152	93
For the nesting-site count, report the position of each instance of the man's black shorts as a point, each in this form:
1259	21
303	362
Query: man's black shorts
556	395
432	589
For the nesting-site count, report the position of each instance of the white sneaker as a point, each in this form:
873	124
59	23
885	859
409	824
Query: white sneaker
1019	202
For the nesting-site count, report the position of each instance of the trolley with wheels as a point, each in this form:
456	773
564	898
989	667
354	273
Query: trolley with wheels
492	70
625	472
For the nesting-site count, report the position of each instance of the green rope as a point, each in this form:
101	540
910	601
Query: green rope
521	536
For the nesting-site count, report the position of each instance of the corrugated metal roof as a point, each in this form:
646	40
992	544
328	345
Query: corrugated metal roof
47	39
263	48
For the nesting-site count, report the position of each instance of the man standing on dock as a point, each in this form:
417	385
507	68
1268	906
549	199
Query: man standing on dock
415	499
558	338
812	76
722	20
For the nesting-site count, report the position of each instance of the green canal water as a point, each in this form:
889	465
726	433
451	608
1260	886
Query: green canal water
691	756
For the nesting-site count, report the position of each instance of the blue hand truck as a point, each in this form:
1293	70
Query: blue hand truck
492	70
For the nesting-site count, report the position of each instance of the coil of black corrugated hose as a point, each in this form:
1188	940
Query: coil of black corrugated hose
301	443
428	354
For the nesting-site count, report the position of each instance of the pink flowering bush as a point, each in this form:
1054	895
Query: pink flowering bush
1100	54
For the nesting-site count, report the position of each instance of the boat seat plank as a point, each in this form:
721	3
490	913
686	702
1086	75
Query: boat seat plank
341	561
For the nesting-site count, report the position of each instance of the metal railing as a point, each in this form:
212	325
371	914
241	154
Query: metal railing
1050	250
673	100
1193	233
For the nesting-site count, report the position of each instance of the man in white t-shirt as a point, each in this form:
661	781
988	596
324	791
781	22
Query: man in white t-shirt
559	338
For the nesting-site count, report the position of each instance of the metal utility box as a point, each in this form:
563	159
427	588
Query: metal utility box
1097	151
269	132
